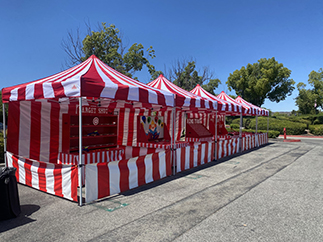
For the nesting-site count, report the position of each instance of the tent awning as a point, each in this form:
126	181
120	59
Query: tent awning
255	110
237	106
183	98
91	78
223	106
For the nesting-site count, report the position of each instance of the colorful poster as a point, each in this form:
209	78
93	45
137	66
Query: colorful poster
153	127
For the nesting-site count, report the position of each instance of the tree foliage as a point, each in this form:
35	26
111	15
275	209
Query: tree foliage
6	110
184	74
106	43
309	100
265	79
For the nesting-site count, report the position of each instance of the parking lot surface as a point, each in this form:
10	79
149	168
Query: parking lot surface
273	193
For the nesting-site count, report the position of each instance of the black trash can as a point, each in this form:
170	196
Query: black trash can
9	198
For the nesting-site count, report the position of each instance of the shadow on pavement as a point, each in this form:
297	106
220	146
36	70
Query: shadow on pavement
22	219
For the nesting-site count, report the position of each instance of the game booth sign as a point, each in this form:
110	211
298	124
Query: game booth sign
91	126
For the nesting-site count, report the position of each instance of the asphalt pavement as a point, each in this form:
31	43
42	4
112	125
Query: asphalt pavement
272	193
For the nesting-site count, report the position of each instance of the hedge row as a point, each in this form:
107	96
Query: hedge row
271	133
316	129
292	128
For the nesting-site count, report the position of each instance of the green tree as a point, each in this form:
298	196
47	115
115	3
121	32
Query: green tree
315	79
184	74
106	44
309	100
265	79
305	99
6	110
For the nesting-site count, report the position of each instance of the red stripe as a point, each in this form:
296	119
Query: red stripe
103	180
131	127
143	95
41	176
141	170
91	83
22	93
124	175
28	176
179	131
155	160
91	158
135	151
183	158
206	152
38	91
58	180
54	132
121	131
191	156
199	155
168	163
105	156
15	165
151	150
74	176
13	127
35	127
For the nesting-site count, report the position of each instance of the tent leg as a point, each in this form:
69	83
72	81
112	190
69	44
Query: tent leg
80	165
173	141
4	134
216	136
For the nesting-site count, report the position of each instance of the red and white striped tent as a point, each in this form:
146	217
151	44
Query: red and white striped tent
36	109
227	107
92	78
238	108
255	109
184	98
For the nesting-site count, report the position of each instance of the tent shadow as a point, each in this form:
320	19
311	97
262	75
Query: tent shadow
22	219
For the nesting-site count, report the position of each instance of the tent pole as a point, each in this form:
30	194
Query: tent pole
80	165
173	140
267	123
4	134
240	132
257	130
216	136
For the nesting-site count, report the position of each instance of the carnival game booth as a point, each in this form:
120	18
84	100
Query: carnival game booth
192	113
226	143
262	138
248	140
84	119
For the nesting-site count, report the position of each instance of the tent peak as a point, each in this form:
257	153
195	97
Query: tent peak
93	57
161	75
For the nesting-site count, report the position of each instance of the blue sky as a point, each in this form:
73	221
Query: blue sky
223	35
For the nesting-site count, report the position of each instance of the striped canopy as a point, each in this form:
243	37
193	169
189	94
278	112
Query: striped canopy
183	98
237	108
226	106
93	79
253	108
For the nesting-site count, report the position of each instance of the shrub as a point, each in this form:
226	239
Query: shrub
292	128
271	133
234	126
316	129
